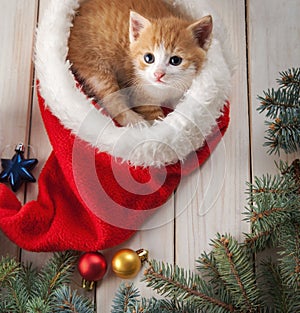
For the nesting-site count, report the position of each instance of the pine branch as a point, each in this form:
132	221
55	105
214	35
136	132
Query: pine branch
266	218
166	306
172	281
8	269
37	305
290	80
267	184
294	174
267	214
258	241
154	305
280	298
283	133
57	272
235	267
68	301
25	290
279	102
207	266
277	187
272	202
125	299
282	106
19	289
290	255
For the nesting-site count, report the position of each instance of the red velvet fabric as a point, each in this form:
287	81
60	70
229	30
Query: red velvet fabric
89	200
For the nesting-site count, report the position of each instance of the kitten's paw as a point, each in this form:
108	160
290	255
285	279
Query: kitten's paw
129	117
150	112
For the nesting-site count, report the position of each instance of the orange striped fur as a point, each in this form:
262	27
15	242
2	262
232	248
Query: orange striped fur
107	48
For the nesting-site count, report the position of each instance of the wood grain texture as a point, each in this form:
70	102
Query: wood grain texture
274	46
41	149
17	25
213	198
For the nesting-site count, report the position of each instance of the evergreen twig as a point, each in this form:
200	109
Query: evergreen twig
8	269
207	266
173	281
234	265
282	106
270	276
290	255
25	290
126	298
68	301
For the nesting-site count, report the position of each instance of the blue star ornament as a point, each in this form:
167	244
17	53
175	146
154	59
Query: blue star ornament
17	170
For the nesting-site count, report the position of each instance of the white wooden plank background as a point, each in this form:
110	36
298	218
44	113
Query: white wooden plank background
265	38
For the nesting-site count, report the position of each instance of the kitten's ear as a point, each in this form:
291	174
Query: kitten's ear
202	30
136	25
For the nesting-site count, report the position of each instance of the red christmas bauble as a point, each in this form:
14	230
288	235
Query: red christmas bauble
92	266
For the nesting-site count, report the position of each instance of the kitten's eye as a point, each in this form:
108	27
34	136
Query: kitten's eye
175	60
149	58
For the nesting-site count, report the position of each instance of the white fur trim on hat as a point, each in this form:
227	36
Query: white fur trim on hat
165	142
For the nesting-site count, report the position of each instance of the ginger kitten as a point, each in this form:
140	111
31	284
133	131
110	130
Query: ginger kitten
141	44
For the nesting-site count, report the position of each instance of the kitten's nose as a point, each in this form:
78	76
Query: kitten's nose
159	75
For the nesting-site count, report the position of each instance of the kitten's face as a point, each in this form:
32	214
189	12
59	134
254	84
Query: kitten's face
167	52
162	66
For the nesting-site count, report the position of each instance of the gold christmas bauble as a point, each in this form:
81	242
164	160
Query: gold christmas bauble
126	263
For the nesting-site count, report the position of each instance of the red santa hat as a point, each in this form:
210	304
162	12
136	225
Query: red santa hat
101	181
